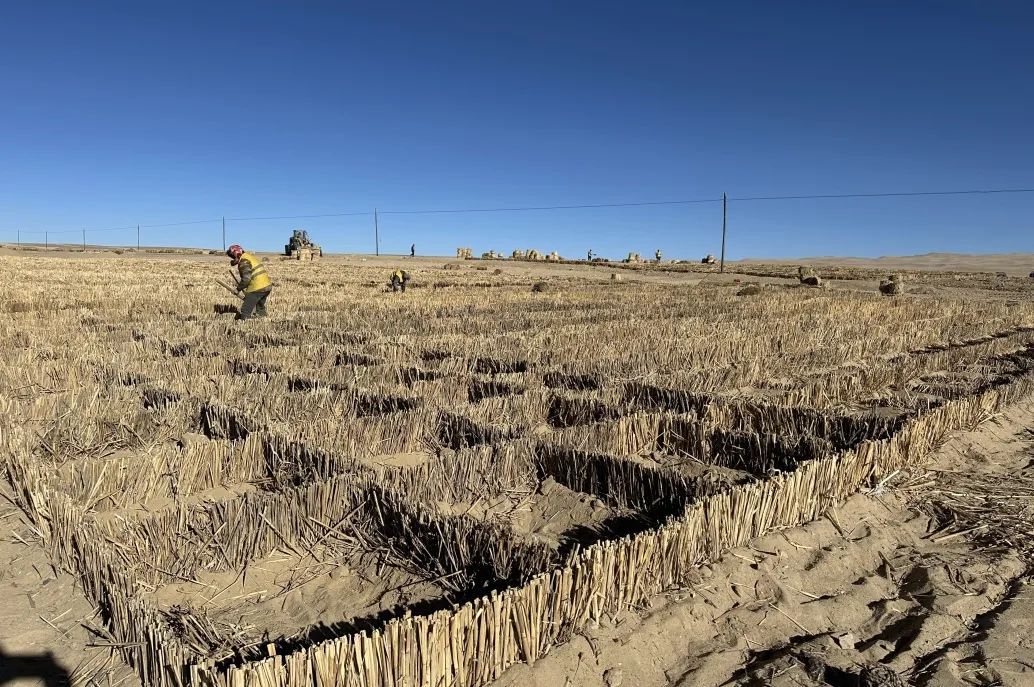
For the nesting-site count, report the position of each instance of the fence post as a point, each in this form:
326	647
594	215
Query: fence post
376	234
725	217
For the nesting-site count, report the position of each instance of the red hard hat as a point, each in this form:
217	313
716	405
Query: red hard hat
235	252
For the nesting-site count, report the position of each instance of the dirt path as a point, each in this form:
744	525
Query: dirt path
879	581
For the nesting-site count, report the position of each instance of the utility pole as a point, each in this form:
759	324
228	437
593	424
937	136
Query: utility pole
84	240
46	239
725	220
19	237
376	234
224	234
138	237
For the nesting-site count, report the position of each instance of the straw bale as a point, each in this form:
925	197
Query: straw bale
892	286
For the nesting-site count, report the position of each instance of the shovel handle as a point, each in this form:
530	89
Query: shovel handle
233	291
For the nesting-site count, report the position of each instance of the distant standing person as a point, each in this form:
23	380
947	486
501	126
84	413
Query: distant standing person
589	257
657	255
254	282
412	251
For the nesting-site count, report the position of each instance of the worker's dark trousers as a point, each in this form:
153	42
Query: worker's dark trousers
397	285
254	304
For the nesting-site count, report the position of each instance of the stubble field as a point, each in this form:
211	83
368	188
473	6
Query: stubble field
429	488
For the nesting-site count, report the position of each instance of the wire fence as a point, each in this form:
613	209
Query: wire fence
764	223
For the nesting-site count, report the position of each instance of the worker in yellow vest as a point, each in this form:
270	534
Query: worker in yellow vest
399	279
254	282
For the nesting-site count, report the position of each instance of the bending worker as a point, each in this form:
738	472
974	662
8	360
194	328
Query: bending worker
253	281
399	278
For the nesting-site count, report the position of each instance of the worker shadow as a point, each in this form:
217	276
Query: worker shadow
32	669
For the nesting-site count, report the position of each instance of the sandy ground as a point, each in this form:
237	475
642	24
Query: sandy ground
49	632
877	581
288	593
552	514
880	580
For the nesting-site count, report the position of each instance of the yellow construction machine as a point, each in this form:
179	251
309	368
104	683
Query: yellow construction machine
300	247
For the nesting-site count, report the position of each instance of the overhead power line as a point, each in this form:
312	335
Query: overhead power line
434	211
587	206
888	195
76	231
72	231
179	224
132	228
332	214
553	207
51	231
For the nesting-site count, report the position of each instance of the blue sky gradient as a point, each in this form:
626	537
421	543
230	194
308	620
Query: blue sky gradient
115	114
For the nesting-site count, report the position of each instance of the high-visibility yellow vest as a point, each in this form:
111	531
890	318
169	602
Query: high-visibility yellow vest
259	279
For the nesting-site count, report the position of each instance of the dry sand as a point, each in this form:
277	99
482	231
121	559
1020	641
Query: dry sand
874	582
288	594
551	513
48	630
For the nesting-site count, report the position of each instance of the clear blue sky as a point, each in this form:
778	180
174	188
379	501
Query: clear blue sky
114	114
